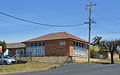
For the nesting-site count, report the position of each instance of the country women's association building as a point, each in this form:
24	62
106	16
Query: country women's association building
55	44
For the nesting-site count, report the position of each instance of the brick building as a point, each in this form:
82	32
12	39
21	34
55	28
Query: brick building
56	44
16	49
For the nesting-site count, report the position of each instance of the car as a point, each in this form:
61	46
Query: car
5	60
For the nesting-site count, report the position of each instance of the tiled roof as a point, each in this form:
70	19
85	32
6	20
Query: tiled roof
15	45
56	36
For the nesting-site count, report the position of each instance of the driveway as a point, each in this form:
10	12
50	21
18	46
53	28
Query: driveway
79	69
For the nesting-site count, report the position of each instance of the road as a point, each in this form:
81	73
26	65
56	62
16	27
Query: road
79	69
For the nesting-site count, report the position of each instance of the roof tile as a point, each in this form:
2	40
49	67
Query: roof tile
56	36
15	45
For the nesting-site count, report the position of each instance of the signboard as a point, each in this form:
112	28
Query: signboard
0	49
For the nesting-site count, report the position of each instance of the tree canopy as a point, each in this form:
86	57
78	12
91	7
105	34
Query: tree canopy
110	46
96	40
3	44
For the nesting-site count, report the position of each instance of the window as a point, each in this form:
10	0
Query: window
31	44
22	52
82	45
27	45
62	43
35	44
6	57
77	44
79	49
43	44
74	43
34	49
39	44
85	45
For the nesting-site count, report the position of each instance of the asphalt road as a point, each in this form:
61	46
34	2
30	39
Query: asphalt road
79	69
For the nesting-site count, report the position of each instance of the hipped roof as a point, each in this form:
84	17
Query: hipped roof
16	45
56	36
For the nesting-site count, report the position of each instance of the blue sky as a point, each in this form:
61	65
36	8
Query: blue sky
60	12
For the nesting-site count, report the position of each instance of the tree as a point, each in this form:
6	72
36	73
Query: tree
3	44
94	51
96	40
110	46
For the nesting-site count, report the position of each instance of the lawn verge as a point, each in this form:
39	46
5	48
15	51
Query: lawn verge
101	61
27	67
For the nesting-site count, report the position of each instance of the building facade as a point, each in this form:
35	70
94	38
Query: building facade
56	44
16	49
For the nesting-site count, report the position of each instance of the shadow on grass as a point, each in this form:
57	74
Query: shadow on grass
21	62
102	63
93	63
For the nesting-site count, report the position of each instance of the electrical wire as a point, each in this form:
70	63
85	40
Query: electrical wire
38	22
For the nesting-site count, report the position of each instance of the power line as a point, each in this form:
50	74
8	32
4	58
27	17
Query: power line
38	22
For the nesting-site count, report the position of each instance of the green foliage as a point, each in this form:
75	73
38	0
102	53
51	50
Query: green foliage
94	51
96	40
0	53
4	46
96	48
111	47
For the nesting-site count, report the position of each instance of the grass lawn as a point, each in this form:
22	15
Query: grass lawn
29	66
101	61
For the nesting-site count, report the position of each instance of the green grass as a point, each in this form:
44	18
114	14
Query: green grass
29	66
91	63
101	61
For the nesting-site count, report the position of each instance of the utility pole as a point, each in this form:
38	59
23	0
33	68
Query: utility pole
91	21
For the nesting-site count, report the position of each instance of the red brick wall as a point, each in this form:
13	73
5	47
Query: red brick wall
12	52
53	48
71	48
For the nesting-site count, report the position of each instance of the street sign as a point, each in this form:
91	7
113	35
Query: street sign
0	49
